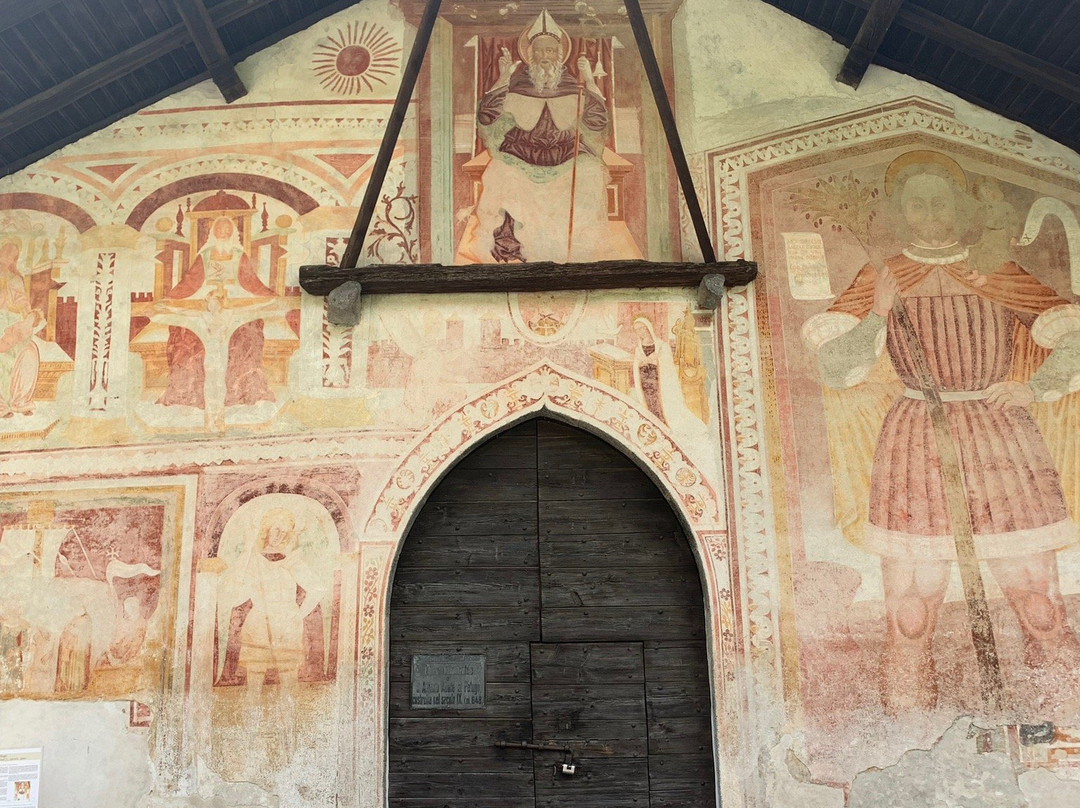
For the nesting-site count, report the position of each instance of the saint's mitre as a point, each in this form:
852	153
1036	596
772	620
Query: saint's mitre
545	25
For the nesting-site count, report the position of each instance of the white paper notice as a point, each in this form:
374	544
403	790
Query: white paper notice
20	776
808	272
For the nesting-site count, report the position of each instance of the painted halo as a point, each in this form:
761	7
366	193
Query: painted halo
525	45
923	157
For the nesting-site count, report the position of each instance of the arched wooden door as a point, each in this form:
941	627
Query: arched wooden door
547	596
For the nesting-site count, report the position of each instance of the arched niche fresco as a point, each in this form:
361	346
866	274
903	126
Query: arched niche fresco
272	622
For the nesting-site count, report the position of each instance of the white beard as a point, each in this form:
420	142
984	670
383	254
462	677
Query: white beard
546	79
222	246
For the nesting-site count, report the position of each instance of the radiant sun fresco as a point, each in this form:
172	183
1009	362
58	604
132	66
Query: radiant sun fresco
356	58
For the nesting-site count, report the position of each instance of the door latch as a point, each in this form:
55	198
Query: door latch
565	769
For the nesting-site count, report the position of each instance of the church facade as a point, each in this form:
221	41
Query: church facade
212	498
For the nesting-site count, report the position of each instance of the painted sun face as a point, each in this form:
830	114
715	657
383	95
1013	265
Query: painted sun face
356	58
929	207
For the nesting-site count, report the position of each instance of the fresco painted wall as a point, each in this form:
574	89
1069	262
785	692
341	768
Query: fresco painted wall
204	484
978	240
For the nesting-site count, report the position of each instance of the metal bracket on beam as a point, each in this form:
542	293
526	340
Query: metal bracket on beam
343	304
711	291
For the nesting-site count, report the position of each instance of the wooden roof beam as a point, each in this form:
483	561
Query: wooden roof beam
875	25
997	54
109	70
212	50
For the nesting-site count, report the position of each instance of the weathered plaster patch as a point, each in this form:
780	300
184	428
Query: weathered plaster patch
91	756
1043	787
951	774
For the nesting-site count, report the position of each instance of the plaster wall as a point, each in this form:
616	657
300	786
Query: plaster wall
182	423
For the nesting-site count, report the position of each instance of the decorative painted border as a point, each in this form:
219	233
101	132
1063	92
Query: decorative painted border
544	387
318	447
742	380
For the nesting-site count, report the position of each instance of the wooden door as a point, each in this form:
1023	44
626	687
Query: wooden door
591	698
550	555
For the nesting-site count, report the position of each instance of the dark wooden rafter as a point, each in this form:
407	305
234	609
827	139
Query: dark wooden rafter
875	25
208	42
1005	57
108	70
15	12
224	12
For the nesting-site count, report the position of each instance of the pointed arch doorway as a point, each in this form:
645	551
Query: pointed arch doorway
547	610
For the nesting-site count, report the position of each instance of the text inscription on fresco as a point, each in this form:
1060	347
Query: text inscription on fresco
448	681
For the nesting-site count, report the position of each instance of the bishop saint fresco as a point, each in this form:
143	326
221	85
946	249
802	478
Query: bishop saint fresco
544	130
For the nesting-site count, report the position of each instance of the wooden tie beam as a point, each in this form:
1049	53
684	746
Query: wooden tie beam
343	284
212	50
875	25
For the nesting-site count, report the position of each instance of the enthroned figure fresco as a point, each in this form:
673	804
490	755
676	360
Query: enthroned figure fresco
216	333
954	309
275	631
543	179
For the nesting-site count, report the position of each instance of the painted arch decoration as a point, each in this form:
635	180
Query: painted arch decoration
546	387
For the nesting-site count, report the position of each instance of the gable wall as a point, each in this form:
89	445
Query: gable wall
158	428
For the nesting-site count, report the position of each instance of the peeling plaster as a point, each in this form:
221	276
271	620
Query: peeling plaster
951	774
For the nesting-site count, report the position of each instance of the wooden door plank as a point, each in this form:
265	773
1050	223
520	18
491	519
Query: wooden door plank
623	624
524	801
455	736
514	550
473	759
486	485
507	451
559	452
686	690
606	701
586	663
679	705
674	771
591	517
679	736
696	795
607	783
594	483
490	587
649	550
510	784
671	661
463	624
636	586
477	519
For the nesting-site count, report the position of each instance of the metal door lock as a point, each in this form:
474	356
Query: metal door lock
567	769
